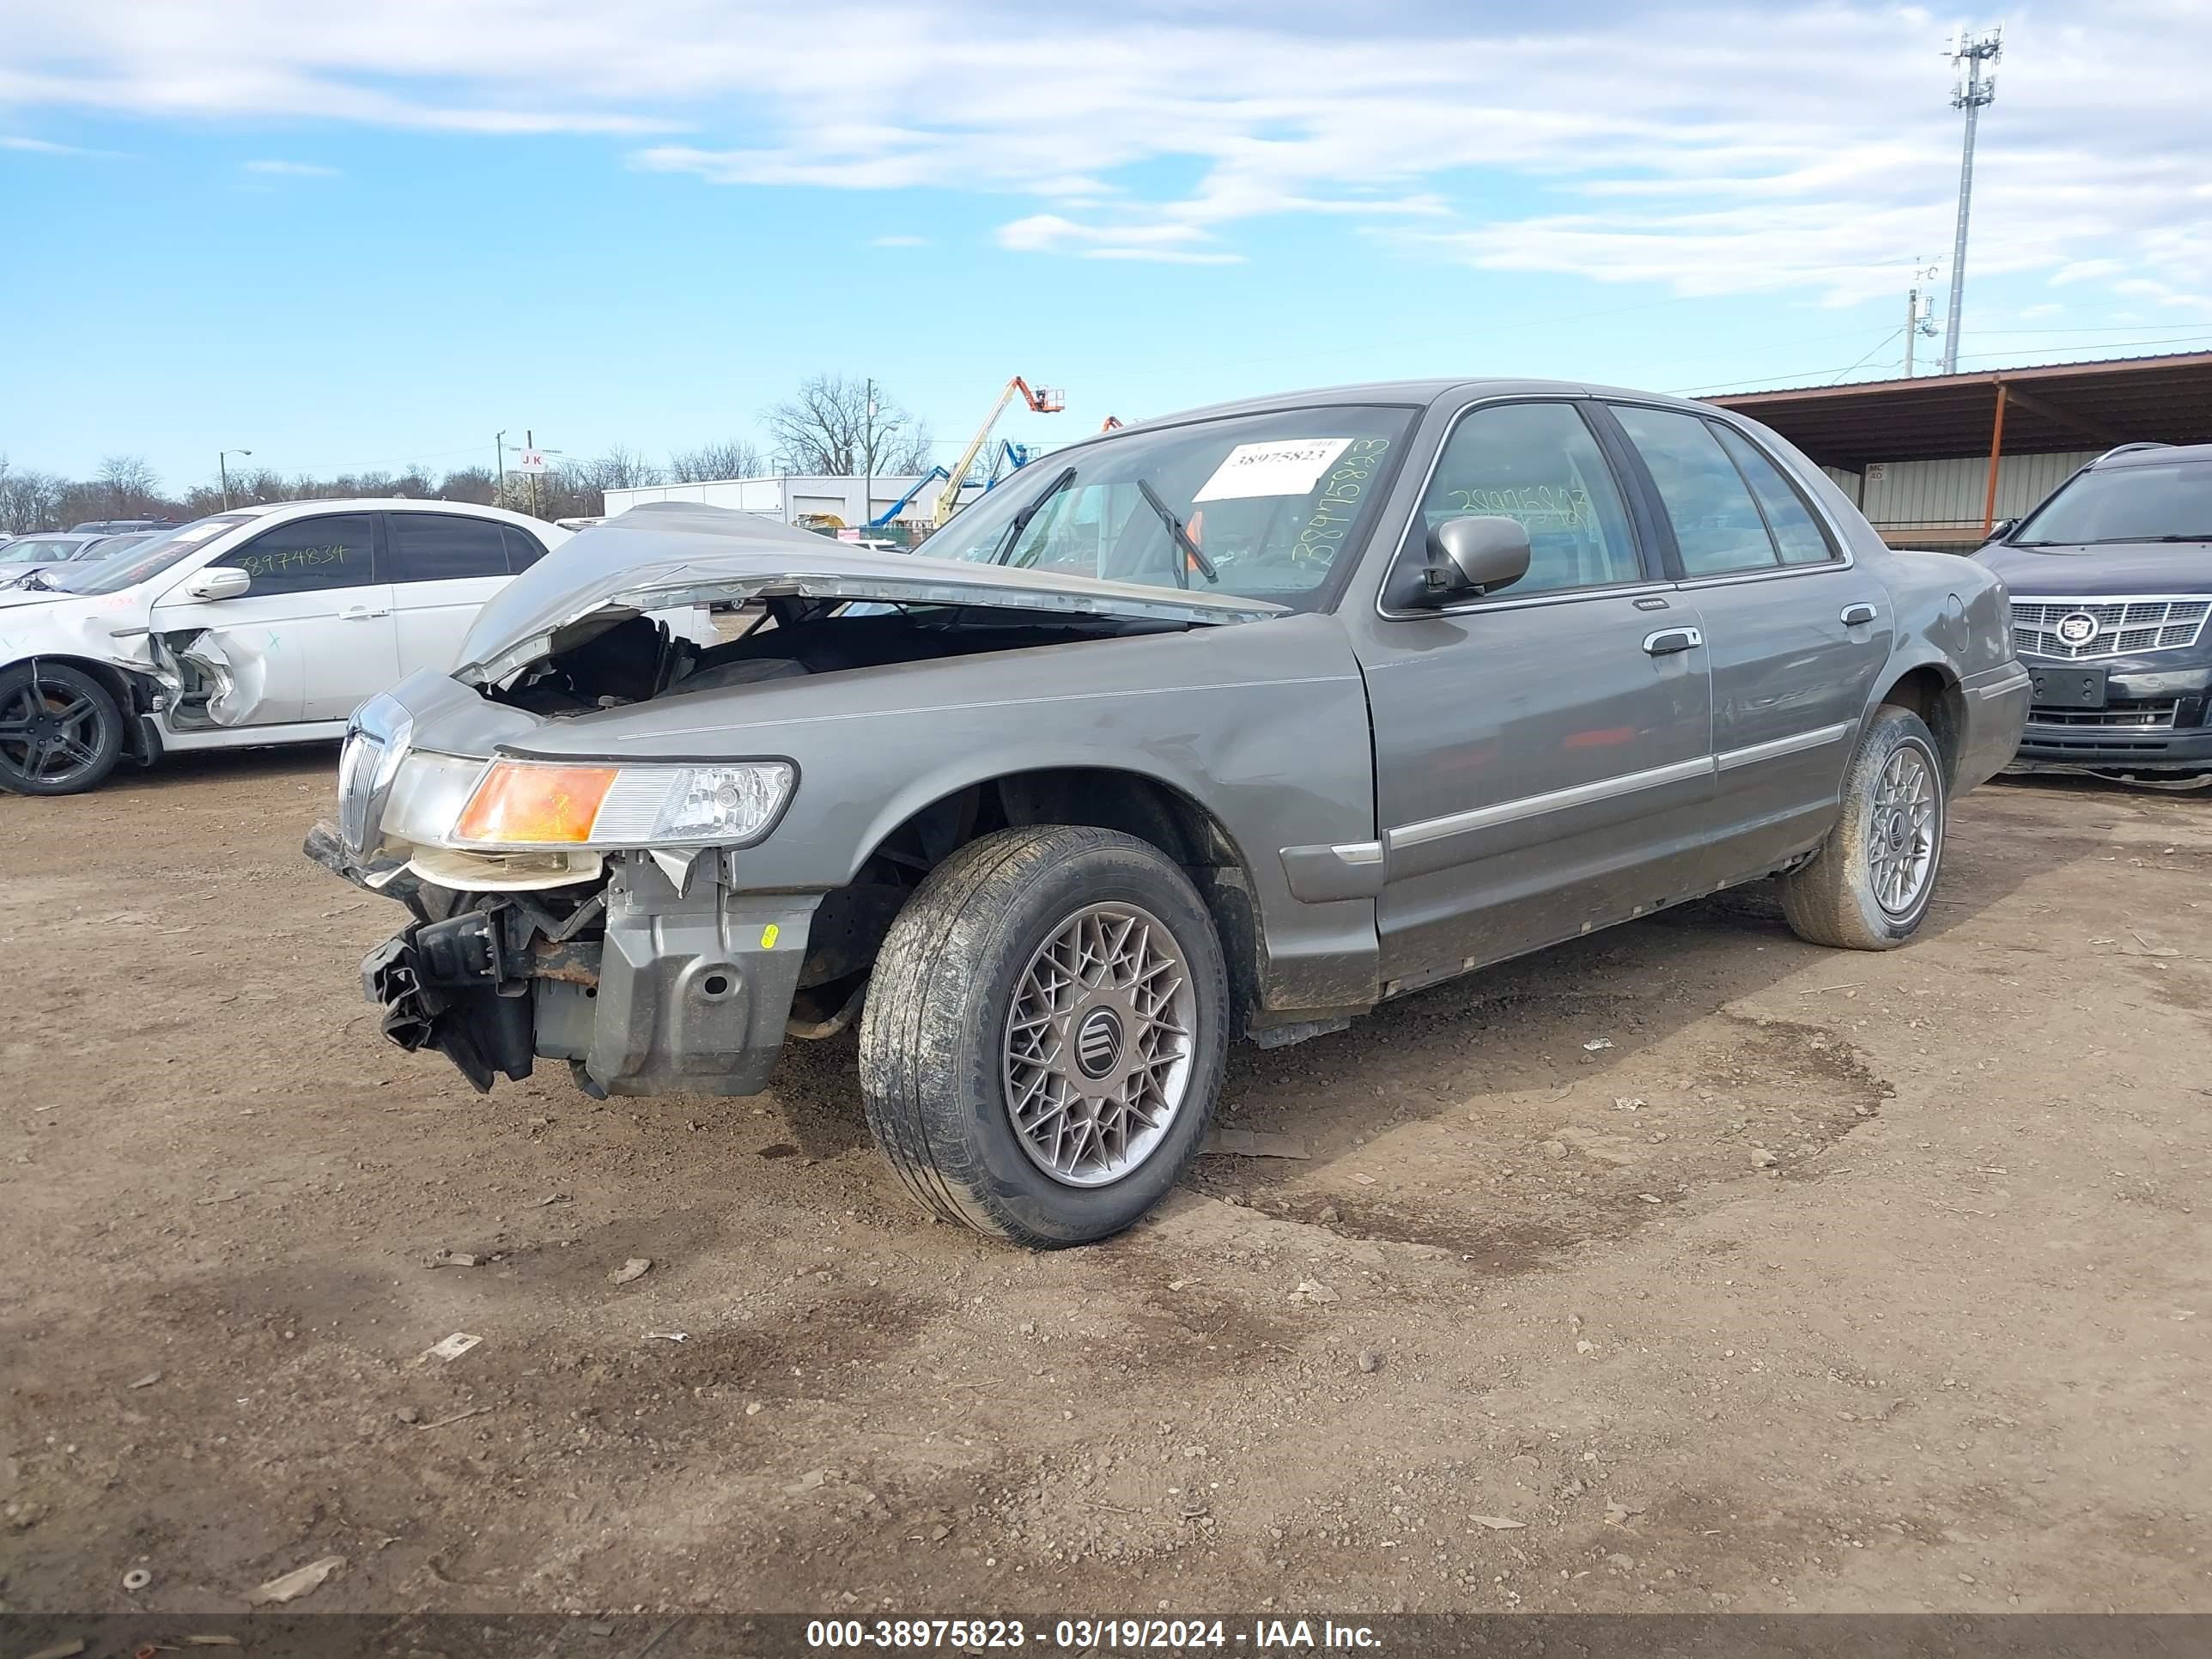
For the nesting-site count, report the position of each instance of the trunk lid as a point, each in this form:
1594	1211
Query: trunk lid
670	554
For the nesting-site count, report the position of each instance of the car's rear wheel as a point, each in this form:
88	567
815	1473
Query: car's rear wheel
1869	887
1045	1033
60	731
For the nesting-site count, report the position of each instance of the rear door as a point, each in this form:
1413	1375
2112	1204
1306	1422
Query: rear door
443	566
1540	754
1795	634
311	637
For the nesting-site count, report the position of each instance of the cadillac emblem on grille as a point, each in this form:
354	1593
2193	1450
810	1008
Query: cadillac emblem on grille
2078	628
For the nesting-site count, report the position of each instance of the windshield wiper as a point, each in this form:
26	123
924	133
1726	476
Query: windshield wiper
1021	519
1180	537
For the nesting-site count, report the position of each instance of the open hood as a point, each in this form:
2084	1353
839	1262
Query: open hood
670	554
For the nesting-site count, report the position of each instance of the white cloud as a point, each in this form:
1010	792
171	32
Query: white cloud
43	147
292	169
1806	148
1162	243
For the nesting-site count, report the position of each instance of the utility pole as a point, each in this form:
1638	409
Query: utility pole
499	452
1973	92
868	477
530	441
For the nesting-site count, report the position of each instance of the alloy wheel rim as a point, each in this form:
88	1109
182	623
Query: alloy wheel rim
1098	1044
1901	830
49	734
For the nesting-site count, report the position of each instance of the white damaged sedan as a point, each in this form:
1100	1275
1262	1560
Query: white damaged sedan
263	625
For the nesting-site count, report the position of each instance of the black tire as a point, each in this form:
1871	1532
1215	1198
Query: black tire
1833	900
933	1034
60	732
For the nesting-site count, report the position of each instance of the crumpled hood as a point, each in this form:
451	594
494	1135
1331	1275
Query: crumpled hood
669	554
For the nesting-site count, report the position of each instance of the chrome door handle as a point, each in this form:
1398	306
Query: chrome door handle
360	613
1668	641
1855	614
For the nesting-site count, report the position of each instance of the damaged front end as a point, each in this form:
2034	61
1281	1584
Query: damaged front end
605	899
637	965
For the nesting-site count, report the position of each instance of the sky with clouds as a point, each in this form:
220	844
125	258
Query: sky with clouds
374	235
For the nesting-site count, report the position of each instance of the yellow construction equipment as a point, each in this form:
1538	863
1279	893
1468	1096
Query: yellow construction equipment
1044	400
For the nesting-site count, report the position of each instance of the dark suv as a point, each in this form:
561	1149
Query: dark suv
2111	587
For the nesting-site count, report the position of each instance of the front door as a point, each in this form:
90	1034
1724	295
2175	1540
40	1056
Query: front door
309	639
1795	634
1542	754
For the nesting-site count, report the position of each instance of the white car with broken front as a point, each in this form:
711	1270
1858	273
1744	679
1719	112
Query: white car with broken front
263	625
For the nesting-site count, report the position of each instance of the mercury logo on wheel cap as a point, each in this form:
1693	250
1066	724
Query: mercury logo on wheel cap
2077	628
1098	1041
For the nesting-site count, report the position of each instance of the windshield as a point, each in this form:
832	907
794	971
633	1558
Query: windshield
39	550
1262	507
149	558
2172	501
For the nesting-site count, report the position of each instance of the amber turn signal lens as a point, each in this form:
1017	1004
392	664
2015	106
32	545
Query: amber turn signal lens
519	804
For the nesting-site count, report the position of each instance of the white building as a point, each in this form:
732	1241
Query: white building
801	498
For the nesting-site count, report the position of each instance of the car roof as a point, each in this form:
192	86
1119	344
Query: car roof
2152	455
388	503
1422	392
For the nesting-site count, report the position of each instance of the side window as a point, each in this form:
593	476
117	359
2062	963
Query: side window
1540	466
308	555
1796	531
1717	526
523	548
440	547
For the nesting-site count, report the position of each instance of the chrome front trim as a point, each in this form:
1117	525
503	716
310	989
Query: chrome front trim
1359	852
1529	806
2006	687
2127	624
1774	750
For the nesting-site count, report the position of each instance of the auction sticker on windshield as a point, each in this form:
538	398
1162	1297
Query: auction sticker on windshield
1282	466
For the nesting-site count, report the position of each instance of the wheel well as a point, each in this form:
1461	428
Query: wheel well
116	683
1934	695
1101	798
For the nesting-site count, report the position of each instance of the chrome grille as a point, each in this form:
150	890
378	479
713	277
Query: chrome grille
357	765
2126	626
2130	716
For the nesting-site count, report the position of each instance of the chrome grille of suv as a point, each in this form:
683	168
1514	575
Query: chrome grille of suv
2126	626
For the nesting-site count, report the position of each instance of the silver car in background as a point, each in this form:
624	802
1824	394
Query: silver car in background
1235	723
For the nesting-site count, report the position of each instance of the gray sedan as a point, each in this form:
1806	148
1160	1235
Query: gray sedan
1237	723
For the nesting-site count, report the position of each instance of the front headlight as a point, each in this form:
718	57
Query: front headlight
532	804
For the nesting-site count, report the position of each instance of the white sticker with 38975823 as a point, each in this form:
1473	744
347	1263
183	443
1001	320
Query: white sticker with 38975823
1282	466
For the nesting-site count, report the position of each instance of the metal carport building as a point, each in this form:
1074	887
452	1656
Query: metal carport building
1936	460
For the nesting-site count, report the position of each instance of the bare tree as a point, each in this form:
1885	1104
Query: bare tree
131	485
469	483
29	500
620	469
733	458
831	426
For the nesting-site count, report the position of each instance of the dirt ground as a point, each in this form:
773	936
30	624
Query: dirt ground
1686	1267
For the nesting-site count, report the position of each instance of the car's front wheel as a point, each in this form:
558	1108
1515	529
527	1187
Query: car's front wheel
1045	1033
60	731
1869	887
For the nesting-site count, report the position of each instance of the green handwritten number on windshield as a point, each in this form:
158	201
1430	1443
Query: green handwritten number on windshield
1330	518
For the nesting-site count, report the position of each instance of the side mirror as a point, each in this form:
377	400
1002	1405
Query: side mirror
217	582
1470	557
1999	530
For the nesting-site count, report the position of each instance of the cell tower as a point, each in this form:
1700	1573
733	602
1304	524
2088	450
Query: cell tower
1972	92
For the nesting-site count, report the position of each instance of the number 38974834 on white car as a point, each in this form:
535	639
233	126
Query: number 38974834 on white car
263	625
